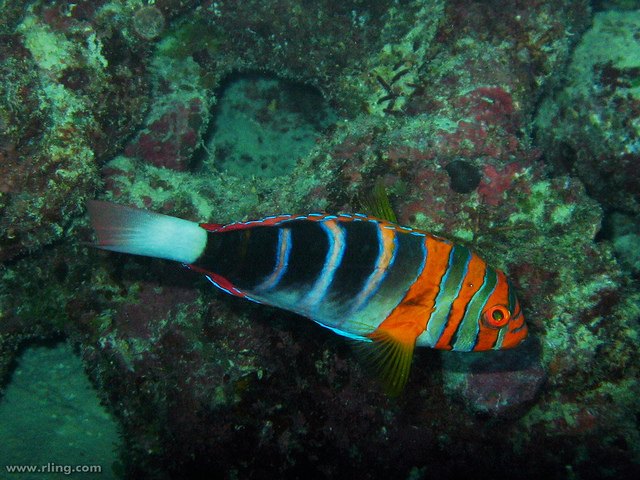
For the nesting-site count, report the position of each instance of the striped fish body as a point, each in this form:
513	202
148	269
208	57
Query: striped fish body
356	275
390	287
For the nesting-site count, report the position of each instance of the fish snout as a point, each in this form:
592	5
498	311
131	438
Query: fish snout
516	333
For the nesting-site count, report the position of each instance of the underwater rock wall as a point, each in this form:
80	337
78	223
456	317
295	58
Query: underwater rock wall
438	99
591	125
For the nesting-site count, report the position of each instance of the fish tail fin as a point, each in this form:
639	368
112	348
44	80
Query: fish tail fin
139	232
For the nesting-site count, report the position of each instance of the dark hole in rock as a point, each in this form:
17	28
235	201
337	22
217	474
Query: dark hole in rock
566	159
622	230
263	125
464	177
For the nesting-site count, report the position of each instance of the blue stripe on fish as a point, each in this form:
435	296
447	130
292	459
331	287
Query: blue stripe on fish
337	243
282	261
386	256
358	261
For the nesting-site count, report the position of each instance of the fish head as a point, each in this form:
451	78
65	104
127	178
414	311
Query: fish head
502	319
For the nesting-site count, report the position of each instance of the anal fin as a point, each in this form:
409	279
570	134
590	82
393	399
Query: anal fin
222	283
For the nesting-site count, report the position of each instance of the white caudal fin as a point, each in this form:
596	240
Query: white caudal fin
139	232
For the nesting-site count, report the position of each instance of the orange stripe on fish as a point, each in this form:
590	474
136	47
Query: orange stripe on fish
398	332
471	284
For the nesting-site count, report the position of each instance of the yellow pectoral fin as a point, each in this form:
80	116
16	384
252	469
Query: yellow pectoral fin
390	350
390	353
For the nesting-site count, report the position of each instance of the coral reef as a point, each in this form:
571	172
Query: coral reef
120	99
74	88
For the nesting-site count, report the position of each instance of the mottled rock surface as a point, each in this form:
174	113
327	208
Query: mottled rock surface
117	99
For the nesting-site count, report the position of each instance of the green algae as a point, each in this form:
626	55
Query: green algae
190	36
46	305
394	70
50	50
612	40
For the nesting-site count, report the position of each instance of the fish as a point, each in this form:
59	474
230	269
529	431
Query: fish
386	287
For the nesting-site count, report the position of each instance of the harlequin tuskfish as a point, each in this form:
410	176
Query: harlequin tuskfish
367	279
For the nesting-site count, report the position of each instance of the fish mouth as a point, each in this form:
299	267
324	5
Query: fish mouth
518	321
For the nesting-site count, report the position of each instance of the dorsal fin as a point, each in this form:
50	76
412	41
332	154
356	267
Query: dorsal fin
262	222
376	203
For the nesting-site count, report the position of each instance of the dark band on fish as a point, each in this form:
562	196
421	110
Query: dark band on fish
309	249
358	261
248	255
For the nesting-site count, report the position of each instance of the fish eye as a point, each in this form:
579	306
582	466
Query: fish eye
496	316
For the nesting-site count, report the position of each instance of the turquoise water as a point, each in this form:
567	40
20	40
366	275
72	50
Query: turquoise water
263	126
51	418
